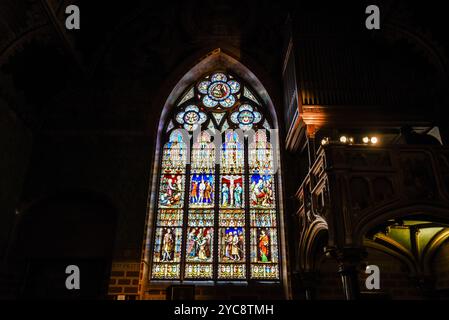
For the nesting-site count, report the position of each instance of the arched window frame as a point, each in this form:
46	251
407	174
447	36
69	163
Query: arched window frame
171	125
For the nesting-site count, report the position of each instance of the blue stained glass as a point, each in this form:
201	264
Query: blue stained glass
228	102
246	107
246	117
235	86
219	77
261	191
202	87
191	117
219	91
245	127
208	102
180	117
192	108
202	190
232	244
176	136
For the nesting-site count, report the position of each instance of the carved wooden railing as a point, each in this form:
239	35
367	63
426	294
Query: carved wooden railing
350	188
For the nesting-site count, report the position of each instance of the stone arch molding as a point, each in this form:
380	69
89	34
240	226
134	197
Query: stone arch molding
377	217
310	238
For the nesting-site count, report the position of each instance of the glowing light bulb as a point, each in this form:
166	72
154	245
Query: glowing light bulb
343	139
374	140
365	139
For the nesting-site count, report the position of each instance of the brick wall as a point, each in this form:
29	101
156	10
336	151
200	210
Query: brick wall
124	281
223	292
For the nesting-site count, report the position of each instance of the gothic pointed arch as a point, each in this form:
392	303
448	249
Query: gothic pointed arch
215	209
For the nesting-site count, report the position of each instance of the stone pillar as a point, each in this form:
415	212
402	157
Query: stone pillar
305	285
349	265
309	283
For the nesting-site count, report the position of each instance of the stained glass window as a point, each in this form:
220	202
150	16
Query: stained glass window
217	211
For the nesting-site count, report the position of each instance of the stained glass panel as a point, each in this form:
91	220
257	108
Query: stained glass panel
230	218
199	244
261	191
189	95
219	91
263	218
174	155
202	87
171	192
249	95
235	86
260	154
165	271
232	244
201	218
261	160
202	191
219	77
210	102
167	245
265	271
264	245
232	271
199	271
218	117
170	218
203	155
231	191
264	253
228	102
232	159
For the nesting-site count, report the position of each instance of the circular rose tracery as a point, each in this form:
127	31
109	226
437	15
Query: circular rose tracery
246	117
191	117
219	91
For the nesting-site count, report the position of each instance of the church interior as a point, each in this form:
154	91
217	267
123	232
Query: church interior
347	171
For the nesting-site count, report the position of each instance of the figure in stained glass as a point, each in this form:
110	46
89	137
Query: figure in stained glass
199	243
171	191
261	190
225	194
202	190
233	240
231	191
264	246
168	246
